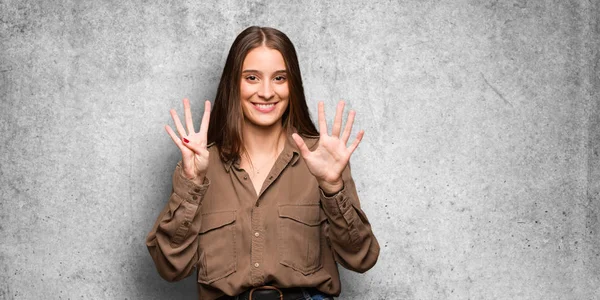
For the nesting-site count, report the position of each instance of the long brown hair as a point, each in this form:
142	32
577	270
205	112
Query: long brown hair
226	117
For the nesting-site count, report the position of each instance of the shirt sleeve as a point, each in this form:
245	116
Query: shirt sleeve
172	242
353	243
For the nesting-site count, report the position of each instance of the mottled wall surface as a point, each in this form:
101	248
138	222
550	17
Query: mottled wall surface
480	166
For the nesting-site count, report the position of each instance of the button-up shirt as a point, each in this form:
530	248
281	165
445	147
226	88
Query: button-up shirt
290	234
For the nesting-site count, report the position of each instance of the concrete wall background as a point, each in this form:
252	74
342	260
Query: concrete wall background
479	170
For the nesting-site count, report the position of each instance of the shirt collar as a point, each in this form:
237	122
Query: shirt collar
227	165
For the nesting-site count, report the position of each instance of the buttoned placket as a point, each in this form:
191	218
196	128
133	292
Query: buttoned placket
257	249
257	218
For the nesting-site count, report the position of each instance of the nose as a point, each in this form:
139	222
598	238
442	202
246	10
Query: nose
266	90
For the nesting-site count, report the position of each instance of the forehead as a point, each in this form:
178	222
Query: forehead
264	58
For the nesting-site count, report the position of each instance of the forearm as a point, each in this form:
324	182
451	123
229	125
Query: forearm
353	243
172	242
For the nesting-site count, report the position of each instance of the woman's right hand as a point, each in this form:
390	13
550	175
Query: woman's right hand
192	144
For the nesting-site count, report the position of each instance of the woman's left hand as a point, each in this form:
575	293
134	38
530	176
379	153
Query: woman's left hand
330	158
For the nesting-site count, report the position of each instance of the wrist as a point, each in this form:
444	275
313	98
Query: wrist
196	178
331	188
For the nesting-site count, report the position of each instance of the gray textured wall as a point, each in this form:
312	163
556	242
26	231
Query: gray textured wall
480	167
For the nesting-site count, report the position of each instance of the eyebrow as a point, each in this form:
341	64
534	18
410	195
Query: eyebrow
256	71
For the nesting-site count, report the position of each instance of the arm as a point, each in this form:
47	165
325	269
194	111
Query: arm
173	240
352	241
354	245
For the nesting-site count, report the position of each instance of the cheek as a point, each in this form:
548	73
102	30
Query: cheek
283	91
245	91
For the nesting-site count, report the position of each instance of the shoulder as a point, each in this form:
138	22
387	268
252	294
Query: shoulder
213	149
214	153
212	146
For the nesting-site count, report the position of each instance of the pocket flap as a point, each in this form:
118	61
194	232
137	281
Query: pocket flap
215	220
306	214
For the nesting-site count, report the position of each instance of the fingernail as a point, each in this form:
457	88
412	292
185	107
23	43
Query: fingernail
186	140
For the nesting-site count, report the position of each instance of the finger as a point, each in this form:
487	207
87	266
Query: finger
177	122
359	137
195	147
205	120
173	136
348	128
187	113
337	122
322	122
304	151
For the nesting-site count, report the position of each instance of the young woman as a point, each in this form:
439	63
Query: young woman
263	205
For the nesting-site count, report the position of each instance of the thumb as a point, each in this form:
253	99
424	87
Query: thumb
301	145
197	148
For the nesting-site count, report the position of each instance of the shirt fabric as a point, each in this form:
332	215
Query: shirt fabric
289	235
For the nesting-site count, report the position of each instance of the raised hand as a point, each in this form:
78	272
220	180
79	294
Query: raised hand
330	158
192	144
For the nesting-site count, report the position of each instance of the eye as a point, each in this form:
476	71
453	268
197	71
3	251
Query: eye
251	78
280	78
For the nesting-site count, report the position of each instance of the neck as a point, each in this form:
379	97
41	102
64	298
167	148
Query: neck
263	141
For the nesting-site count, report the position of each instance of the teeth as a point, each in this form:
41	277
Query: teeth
264	105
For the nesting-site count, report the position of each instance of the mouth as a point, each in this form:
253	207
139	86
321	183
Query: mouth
264	107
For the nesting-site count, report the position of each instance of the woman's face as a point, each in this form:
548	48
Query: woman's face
264	91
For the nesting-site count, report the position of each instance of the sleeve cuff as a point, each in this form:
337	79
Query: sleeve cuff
336	204
187	189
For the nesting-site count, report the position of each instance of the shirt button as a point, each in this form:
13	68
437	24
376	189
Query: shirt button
256	234
270	177
197	190
194	197
256	265
245	177
186	223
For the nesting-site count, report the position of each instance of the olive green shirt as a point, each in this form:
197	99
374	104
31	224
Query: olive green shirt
290	235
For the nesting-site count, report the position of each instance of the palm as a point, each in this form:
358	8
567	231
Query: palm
194	163
192	144
329	159
331	156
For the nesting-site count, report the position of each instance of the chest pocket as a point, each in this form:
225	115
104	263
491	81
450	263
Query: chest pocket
300	237
216	246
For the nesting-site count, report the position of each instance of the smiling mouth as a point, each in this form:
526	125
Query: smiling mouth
264	107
